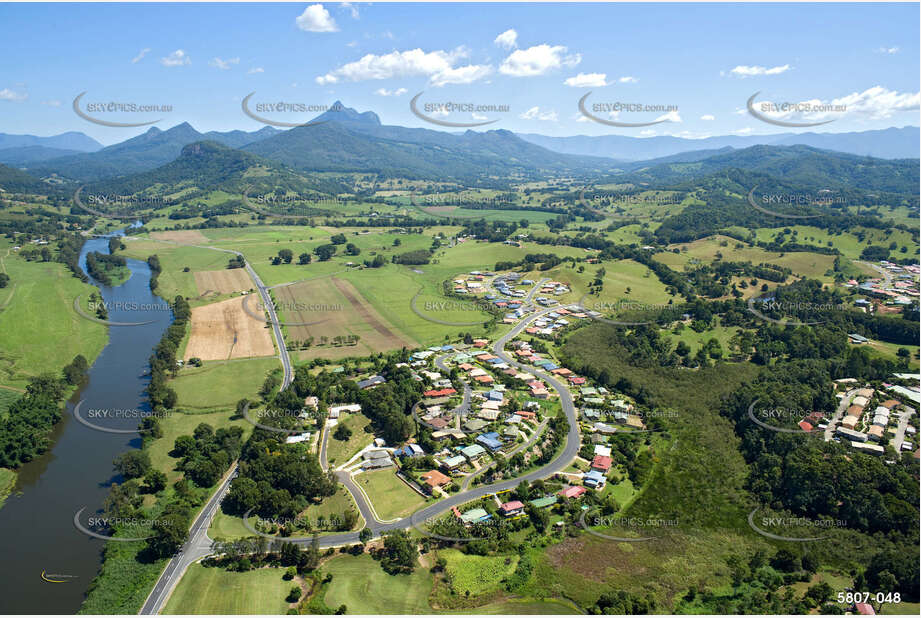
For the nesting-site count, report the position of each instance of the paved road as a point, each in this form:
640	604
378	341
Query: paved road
899	437
885	273
573	443
199	545
839	414
195	548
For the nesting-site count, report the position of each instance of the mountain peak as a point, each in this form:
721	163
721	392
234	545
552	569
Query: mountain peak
338	112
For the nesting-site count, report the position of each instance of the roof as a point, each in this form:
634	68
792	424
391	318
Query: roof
594	476
439	393
601	462
572	492
513	505
546	501
454	461
474	450
474	515
372	381
434	478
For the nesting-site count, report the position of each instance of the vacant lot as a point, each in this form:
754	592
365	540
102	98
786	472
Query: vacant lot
216	591
473	575
223	281
340	451
333	307
186	237
219	385
363	587
391	497
224	330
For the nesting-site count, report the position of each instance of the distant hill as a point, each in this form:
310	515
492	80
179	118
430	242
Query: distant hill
349	141
206	165
28	155
16	181
891	143
797	165
72	140
139	154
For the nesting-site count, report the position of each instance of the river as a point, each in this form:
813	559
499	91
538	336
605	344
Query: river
37	533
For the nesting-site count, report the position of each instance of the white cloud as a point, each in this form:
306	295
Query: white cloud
390	93
538	60
708	117
255	70
176	59
751	71
478	116
140	55
224	65
9	95
535	114
744	131
587	80
670	117
353	10
315	18
507	39
875	103
628	79
887	50
52	103
352	44
438	66
647	132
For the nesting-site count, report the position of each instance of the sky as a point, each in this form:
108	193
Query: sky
695	64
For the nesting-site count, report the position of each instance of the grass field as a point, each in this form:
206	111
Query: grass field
805	264
219	385
523	607
340	451
39	329
474	575
7	482
204	590
696	340
363	587
231	527
889	351
390	497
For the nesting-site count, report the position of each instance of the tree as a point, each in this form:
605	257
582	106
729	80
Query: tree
132	464
399	552
294	594
286	255
303	259
365	535
337	239
75	372
325	252
342	432
154	481
4	280
169	531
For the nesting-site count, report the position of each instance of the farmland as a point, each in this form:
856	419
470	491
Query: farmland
224	330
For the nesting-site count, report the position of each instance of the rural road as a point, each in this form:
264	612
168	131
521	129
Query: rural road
199	545
195	548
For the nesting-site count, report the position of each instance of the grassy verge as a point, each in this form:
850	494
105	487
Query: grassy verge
363	587
212	590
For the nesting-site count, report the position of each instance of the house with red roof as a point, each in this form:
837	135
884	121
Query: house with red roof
439	393
805	426
484	379
510	509
601	463
576	380
574	492
465	366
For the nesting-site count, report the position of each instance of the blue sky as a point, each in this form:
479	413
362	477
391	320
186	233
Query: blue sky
538	59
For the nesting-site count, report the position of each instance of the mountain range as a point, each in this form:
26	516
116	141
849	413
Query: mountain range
891	143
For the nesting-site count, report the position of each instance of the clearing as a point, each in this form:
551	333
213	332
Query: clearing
225	281
225	330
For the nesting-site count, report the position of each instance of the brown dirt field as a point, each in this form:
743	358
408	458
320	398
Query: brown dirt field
224	330
341	310
186	237
224	281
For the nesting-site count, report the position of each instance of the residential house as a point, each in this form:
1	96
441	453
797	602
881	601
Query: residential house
511	509
433	479
475	516
371	382
473	452
572	492
542	503
454	462
601	463
490	440
594	479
